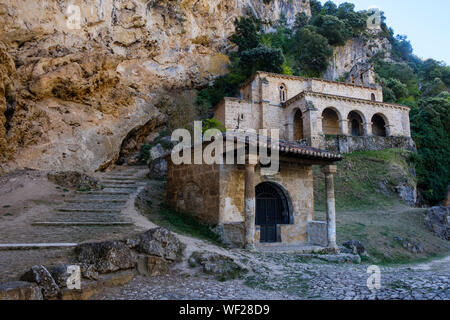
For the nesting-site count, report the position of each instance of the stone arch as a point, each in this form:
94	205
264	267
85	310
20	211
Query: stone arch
373	97
298	125
283	92
380	125
190	198
356	122
273	208
330	121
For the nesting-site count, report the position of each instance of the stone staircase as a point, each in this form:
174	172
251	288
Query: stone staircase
88	216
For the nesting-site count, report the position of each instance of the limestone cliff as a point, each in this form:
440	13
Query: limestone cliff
357	51
76	77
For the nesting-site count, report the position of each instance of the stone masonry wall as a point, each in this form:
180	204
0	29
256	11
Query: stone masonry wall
194	189
349	144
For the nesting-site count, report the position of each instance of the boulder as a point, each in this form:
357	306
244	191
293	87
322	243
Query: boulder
158	152
74	180
60	275
437	220
109	256
222	267
42	277
157	168
20	290
413	247
162	243
356	247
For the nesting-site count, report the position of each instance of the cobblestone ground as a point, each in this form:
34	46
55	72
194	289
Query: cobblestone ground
287	276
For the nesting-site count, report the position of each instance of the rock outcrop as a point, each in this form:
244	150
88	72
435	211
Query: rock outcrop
357	51
107	256
76	78
42	277
438	221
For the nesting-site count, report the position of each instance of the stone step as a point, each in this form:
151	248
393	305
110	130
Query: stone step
89	217
131	190
104	193
128	181
80	224
32	246
120	179
97	200
98	205
88	210
119	186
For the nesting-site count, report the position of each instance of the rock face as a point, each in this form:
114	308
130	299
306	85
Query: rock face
42	277
77	77
107	256
438	221
356	51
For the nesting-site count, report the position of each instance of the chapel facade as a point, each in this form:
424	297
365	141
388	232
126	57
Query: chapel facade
310	109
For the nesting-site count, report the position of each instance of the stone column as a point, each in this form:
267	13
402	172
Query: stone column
367	128
329	172
320	125
343	127
250	206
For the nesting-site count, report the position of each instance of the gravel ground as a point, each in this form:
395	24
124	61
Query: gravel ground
287	276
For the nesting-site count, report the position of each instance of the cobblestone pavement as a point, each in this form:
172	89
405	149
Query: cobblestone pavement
287	276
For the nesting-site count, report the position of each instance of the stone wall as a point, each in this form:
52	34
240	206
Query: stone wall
317	233
349	144
194	189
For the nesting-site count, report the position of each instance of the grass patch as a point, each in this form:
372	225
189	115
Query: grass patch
377	228
181	223
366	180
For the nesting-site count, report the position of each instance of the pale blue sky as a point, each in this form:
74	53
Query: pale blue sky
426	23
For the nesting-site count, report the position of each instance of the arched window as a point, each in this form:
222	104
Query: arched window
355	123
283	93
379	126
298	126
373	97
330	122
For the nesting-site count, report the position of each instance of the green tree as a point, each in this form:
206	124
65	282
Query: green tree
313	53
248	33
430	124
261	59
332	28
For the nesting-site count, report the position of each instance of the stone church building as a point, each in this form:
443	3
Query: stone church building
249	208
311	109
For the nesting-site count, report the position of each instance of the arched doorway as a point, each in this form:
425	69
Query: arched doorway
355	123
378	126
330	122
272	209
298	126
